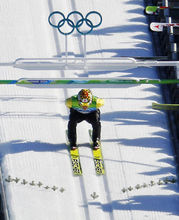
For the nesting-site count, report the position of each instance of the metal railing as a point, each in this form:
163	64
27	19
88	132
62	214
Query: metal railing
166	43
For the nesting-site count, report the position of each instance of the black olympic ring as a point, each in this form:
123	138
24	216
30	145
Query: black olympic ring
74	24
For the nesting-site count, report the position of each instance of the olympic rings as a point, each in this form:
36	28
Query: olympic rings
61	23
73	24
88	22
74	12
49	18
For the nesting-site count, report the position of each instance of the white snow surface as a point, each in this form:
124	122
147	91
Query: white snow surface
135	138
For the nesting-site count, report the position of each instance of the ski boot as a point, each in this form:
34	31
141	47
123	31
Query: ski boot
96	144
73	147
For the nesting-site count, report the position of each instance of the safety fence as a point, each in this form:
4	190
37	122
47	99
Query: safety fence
166	43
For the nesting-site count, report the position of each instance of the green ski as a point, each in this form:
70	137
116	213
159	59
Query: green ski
158	106
153	10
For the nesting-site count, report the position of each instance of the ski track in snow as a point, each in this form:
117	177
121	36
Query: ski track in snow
135	138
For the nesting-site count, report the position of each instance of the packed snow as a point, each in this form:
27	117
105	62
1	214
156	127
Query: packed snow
136	143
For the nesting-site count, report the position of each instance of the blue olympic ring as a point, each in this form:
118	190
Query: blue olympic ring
88	22
75	24
74	12
61	23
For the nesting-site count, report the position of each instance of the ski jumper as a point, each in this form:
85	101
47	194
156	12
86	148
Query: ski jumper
78	114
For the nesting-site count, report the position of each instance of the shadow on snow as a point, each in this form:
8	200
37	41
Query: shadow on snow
153	203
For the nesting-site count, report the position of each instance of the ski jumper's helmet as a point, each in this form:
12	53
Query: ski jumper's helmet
85	98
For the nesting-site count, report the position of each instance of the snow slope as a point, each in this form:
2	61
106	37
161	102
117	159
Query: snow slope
136	141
